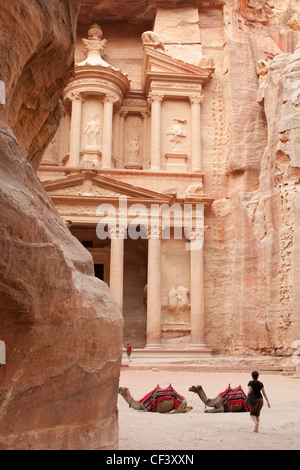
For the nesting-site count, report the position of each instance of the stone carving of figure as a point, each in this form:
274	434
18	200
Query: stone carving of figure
194	189
178	299
133	147
91	131
176	133
153	39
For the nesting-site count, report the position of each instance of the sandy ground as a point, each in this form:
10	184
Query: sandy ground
197	430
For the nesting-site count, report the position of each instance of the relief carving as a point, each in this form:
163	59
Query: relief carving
178	300
92	131
194	190
133	140
176	133
152	39
133	147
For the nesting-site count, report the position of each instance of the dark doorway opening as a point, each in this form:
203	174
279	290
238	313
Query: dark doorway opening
99	271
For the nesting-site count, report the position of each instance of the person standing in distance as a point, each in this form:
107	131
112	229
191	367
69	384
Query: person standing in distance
128	351
258	389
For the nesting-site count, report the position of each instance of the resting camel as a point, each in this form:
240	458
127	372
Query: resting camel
164	406
218	402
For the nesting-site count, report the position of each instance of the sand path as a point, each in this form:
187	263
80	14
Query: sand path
196	430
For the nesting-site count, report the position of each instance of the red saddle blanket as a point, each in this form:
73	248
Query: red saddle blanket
159	394
234	396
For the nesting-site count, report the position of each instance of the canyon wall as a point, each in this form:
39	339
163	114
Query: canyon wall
61	327
252	238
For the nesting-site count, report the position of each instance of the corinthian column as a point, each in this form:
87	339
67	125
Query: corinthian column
155	99
154	290
197	297
107	130
197	291
196	101
75	131
117	265
121	137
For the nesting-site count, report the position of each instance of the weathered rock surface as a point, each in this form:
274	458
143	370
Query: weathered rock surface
36	69
61	327
252	239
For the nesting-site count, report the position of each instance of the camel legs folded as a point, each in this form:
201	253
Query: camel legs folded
183	408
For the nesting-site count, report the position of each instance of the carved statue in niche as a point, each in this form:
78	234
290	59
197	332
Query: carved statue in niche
133	137
133	146
176	133
178	300
92	131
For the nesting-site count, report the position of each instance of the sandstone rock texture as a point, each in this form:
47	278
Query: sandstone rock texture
61	327
253	236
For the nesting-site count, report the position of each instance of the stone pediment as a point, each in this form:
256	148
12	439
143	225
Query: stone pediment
89	185
158	65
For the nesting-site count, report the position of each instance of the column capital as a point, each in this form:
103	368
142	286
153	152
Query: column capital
196	98
111	98
117	232
75	96
154	232
146	114
196	232
155	97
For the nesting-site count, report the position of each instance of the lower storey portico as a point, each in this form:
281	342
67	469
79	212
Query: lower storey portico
158	285
148	247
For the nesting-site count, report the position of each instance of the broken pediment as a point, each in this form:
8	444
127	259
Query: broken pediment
160	66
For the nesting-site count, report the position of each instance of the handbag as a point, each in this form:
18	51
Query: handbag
251	400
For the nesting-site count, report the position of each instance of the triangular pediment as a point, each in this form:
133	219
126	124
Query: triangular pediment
156	63
90	185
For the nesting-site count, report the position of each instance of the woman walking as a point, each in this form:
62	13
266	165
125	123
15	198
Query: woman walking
258	388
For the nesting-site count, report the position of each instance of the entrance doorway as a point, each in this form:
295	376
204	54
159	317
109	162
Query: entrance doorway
99	271
134	298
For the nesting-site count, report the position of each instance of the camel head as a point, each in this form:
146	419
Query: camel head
195	388
123	391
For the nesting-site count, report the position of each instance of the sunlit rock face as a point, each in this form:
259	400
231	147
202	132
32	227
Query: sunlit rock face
248	150
61	327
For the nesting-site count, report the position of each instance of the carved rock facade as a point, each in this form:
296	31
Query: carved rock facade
191	119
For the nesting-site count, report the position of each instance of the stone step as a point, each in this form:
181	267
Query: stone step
196	361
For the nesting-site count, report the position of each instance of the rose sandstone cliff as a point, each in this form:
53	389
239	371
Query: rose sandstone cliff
60	325
253	237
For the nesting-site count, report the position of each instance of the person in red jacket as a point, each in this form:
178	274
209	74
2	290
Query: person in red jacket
128	351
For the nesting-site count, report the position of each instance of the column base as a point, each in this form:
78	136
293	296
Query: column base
197	170
202	348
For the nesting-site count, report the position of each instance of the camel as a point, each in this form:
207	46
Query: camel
218	402
165	406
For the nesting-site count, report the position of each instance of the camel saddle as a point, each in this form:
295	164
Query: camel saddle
159	394
234	396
